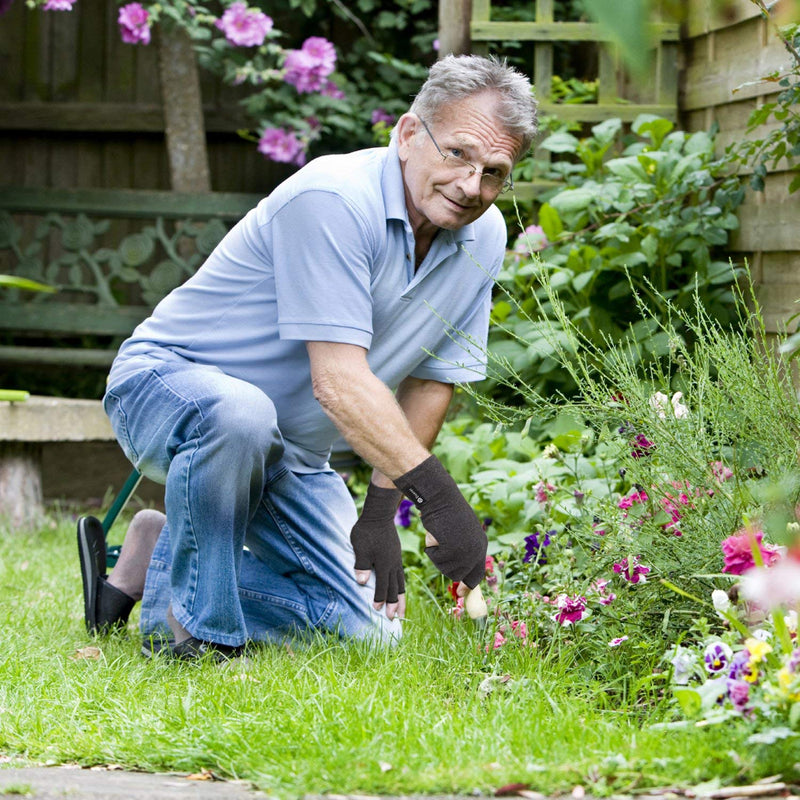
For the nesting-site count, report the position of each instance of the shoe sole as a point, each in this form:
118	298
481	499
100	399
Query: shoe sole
92	553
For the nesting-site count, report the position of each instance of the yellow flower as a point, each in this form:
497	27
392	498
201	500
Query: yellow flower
785	680
757	649
751	673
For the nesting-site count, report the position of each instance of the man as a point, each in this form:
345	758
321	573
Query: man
347	303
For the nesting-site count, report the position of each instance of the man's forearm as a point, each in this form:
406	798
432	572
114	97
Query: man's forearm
424	404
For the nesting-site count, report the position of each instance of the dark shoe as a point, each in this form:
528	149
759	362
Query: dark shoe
192	649
92	552
105	608
113	607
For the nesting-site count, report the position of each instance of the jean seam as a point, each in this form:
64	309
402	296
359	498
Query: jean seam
306	563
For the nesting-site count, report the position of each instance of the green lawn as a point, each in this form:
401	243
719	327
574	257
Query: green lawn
436	714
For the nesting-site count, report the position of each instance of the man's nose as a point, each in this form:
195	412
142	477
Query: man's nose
471	184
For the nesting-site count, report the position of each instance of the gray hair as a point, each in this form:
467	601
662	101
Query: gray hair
457	78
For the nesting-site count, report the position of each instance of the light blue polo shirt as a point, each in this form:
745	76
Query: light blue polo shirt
329	256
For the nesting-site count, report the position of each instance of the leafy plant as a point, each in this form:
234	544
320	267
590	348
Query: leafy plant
783	140
645	213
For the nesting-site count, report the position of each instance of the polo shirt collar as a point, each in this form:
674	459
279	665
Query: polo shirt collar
394	199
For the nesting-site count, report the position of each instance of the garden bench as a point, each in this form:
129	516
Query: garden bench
111	255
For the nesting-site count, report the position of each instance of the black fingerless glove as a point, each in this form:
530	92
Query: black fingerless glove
377	545
446	515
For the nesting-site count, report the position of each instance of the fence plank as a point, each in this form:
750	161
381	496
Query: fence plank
557	31
704	17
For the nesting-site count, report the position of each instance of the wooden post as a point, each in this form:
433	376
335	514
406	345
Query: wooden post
183	112
454	18
21	502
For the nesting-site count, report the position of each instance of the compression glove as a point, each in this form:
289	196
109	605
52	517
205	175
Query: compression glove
377	545
446	515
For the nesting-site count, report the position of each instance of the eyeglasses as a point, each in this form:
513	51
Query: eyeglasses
495	183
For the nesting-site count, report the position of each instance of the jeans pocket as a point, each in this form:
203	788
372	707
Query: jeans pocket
119	424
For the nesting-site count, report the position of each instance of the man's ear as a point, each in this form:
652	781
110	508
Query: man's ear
406	129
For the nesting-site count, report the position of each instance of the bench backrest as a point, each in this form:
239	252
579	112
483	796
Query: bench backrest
111	255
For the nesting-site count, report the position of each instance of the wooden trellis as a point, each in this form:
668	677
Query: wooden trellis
617	96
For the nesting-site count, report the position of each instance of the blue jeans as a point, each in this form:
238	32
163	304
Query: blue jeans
251	550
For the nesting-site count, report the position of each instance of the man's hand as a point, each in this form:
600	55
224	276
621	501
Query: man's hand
377	548
460	552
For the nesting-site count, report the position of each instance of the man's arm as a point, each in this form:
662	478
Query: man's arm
366	412
377	427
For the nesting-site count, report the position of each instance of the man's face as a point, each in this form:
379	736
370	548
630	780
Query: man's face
438	193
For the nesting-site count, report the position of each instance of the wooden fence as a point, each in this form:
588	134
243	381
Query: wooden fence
81	109
724	57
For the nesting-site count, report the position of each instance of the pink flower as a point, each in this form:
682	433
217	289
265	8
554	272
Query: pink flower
543	490
769	588
520	630
499	640
720	471
58	5
570	609
632	570
532	240
737	551
600	588
134	24
632	499
243	26
458	609
282	145
308	67
618	641
330	89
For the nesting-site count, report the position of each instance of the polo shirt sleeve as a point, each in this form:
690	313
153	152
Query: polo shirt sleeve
322	250
461	355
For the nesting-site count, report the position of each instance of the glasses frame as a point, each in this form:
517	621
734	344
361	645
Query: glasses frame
508	183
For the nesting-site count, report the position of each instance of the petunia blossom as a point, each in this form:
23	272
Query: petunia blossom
661	404
570	609
774	586
737	552
632	570
134	24
532	240
402	516
534	548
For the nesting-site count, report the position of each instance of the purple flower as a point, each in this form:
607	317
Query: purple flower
740	666
641	446
632	570
308	67
330	89
738	693
717	657
134	24
58	5
282	145
570	609
534	549
403	514
243	26
379	115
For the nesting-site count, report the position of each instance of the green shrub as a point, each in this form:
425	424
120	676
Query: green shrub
646	213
